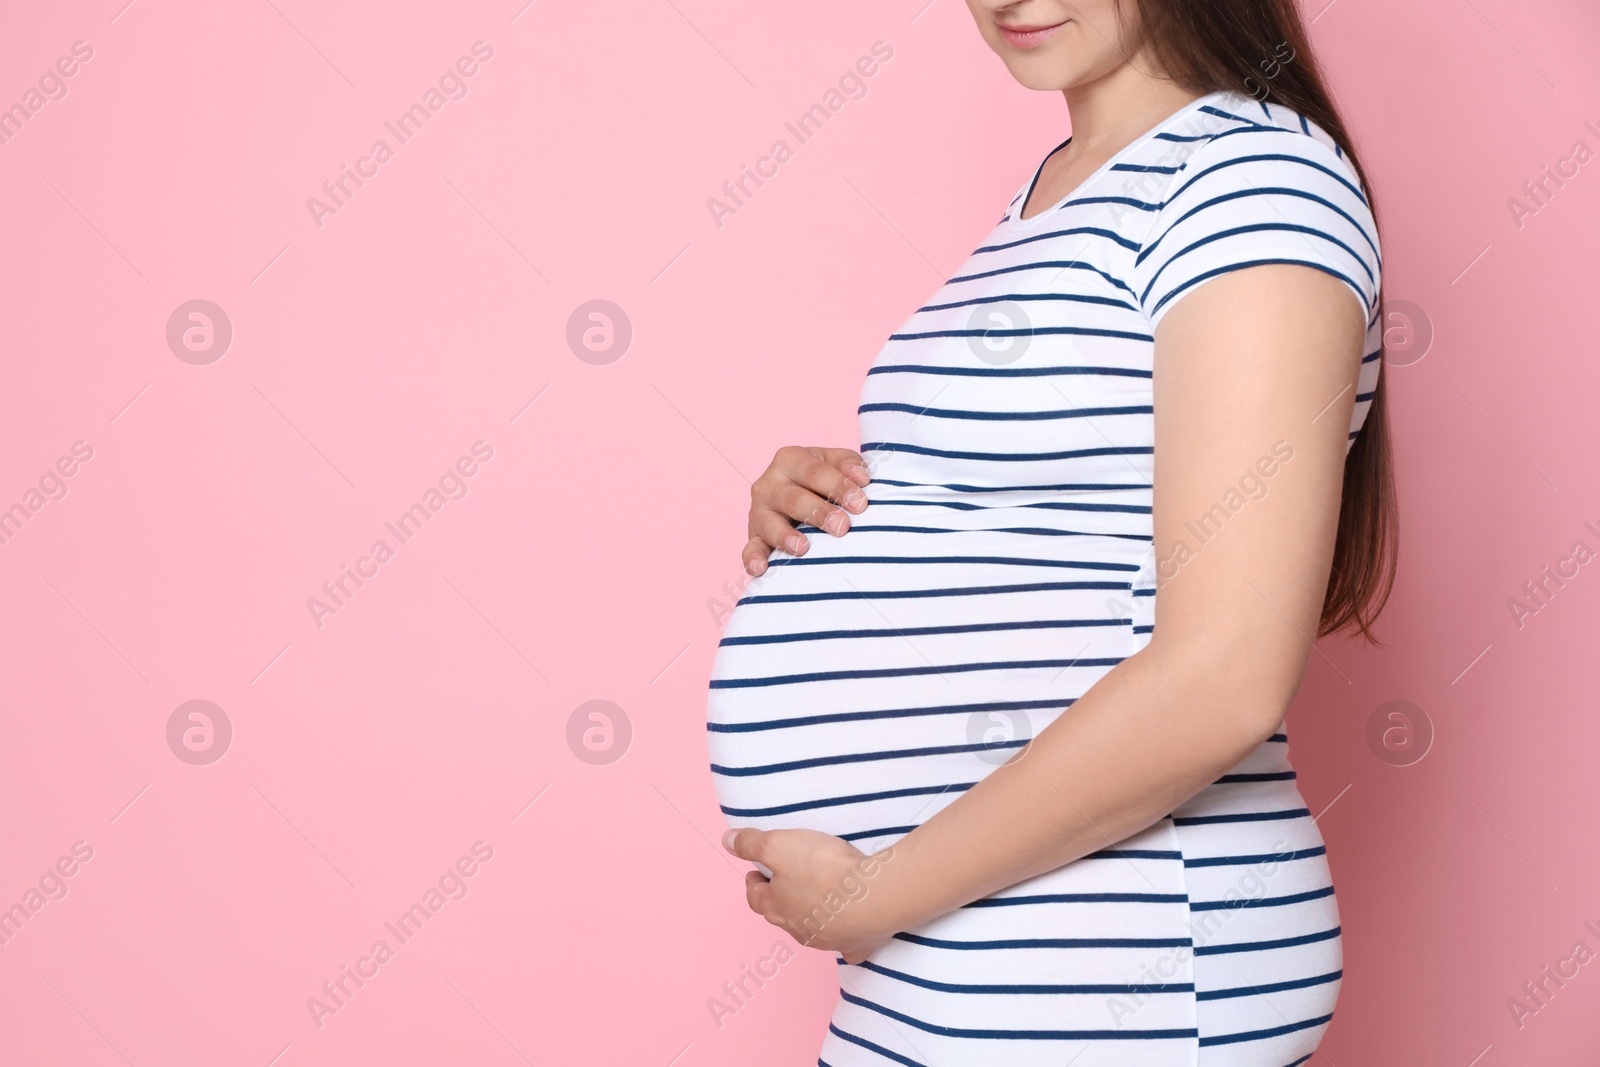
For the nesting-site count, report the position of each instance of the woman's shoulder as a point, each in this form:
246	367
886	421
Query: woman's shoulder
1266	138
1259	183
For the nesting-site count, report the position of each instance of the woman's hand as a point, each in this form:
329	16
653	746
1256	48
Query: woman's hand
819	486
820	889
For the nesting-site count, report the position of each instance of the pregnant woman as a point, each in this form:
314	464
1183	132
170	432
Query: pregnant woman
999	720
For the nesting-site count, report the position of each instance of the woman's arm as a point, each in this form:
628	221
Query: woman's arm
1260	356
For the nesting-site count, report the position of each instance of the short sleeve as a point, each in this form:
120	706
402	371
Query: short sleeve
1256	195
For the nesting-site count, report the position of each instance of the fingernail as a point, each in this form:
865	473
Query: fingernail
855	500
757	567
794	544
858	469
727	839
836	523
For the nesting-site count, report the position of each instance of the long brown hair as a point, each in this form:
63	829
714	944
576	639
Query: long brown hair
1259	48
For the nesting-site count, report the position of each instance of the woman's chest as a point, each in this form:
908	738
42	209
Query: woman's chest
1032	362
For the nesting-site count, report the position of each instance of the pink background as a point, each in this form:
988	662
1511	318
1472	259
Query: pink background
371	352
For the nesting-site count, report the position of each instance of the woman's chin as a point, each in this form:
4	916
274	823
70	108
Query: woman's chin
1034	72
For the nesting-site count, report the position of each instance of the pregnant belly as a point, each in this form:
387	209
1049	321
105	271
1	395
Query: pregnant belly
861	688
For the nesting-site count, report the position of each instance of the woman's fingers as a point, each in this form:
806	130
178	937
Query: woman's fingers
822	471
803	505
751	844
755	556
756	888
819	487
850	462
772	522
774	528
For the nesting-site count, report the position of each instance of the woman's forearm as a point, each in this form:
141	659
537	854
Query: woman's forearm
1150	734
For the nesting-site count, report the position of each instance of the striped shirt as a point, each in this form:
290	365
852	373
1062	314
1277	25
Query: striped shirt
1006	561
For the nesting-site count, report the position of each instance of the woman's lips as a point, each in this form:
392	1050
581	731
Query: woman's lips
1030	36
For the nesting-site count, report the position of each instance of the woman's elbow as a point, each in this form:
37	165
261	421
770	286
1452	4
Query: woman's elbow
1245	689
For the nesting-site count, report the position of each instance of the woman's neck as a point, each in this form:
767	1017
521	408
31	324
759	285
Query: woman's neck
1109	112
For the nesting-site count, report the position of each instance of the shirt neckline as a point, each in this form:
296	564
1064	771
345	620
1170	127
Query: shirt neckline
1021	201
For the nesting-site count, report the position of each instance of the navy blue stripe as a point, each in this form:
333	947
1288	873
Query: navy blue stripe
1055	505
1269	776
1014	561
1006	416
1021	1035
1009	298
1221	114
1003	457
1061	264
859	757
921	631
1192	282
1012	372
1261	902
1271	987
856	798
1109	235
1261	191
1080	898
1262	1035
1031	331
956	505
908	672
1067	487
1123	201
1280	156
892	713
1249	816
1047	942
1258	227
905	1061
1013	988
1023	531
1236	861
885	831
1266	946
911	594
